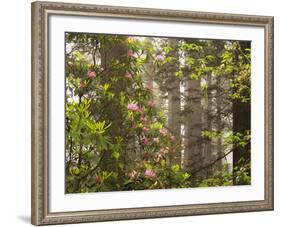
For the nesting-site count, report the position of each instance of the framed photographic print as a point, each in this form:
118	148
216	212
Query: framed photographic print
145	113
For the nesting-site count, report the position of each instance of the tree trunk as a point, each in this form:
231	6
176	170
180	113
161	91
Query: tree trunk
193	154
207	144
241	123
174	101
116	52
219	125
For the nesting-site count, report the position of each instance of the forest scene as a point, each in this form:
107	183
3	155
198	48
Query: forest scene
147	113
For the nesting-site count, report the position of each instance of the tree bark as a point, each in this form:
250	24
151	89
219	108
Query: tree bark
108	54
207	145
241	123
193	154
174	100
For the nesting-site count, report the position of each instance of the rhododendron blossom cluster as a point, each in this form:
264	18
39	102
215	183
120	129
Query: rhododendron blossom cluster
91	74
133	107
150	173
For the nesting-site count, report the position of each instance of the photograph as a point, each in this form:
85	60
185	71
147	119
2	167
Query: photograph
147	112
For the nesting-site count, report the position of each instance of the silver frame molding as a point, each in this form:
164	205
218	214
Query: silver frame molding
40	97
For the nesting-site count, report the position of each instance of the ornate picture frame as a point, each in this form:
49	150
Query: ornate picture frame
41	68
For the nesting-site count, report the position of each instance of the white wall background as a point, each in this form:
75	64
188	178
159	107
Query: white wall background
15	111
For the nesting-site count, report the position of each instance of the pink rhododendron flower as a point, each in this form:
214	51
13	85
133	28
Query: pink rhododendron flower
156	139
163	131
151	103
145	129
128	75
173	138
133	107
145	141
160	57
164	151
131	53
143	119
91	74
150	173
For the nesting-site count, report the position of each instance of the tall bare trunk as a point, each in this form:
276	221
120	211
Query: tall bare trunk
207	115
174	101
218	124
193	153
241	123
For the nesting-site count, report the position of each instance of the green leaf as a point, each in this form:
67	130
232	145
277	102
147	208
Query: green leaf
179	74
193	76
175	168
116	154
74	171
